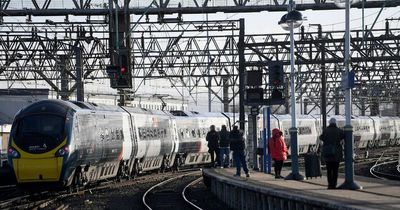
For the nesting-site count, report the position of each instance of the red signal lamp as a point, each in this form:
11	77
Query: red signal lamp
277	82
123	70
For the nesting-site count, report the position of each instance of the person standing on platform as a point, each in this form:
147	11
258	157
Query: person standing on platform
237	146
278	150
332	151
224	146
213	144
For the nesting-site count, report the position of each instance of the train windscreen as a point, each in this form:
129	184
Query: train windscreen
39	133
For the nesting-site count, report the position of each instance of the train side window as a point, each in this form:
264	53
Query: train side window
116	134
151	133
187	132
198	133
121	134
112	135
193	133
107	134
143	134
181	132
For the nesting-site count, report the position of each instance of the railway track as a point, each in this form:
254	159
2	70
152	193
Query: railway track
171	193
25	201
12	198
186	198
43	199
387	167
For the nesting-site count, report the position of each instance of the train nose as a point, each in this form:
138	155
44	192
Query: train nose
37	169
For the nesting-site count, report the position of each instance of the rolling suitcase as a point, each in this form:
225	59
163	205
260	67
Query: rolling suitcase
312	165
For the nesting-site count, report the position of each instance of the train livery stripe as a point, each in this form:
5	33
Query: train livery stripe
38	167
39	156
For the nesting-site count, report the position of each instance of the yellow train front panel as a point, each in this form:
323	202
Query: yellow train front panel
45	167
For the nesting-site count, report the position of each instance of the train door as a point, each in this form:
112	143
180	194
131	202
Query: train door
127	138
174	133
134	135
101	146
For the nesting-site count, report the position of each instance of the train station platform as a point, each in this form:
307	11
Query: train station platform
263	191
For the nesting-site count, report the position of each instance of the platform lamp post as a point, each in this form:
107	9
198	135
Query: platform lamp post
348	129
293	19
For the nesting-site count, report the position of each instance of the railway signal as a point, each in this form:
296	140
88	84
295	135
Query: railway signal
276	82
120	75
276	73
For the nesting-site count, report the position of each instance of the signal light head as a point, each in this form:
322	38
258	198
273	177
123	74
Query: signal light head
123	70
276	82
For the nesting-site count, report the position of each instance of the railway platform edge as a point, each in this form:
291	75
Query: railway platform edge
263	191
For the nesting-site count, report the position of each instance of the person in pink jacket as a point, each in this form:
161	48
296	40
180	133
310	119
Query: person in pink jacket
278	151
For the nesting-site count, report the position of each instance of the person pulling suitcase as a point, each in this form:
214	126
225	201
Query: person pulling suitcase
332	151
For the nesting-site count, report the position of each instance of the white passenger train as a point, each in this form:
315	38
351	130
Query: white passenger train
69	143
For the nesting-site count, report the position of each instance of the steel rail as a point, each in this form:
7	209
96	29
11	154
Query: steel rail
186	199
160	184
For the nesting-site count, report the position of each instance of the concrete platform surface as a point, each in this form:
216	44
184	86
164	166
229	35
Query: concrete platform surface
376	194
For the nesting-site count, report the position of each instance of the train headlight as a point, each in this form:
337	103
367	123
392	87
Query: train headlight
13	153
62	151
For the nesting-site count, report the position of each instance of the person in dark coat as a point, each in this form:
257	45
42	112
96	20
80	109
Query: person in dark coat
332	151
213	143
237	146
277	148
224	146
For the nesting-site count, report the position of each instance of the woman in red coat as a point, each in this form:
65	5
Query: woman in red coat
278	151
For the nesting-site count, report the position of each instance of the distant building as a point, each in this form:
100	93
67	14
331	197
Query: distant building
12	100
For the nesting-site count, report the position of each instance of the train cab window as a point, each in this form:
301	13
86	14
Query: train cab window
40	133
